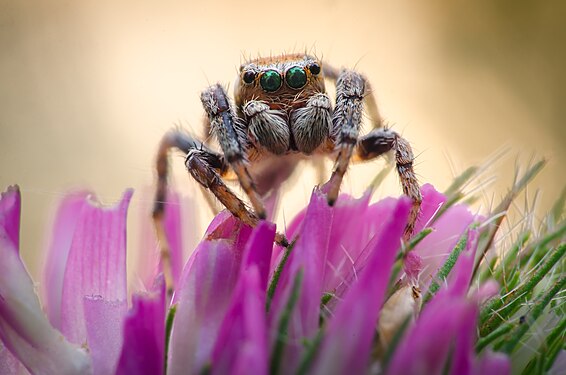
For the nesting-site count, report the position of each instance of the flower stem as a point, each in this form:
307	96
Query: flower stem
534	314
168	327
499	309
447	267
277	354
277	275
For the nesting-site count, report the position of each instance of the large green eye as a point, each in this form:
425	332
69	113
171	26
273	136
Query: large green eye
270	81
296	77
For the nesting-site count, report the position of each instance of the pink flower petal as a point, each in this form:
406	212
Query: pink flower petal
435	248
439	323
258	251
9	365
104	321
308	255
241	347
148	262
144	340
24	329
346	345
66	217
498	364
433	200
202	299
10	205
96	264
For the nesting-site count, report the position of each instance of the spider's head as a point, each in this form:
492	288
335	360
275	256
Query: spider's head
284	82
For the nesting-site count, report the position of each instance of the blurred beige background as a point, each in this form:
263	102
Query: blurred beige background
88	87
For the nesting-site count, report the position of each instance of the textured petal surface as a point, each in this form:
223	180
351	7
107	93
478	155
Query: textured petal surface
144	339
24	329
346	345
96	264
104	321
241	347
202	299
66	219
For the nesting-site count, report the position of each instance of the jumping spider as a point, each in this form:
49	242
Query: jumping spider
282	115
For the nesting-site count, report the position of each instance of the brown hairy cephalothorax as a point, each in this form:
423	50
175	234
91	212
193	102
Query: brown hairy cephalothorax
281	114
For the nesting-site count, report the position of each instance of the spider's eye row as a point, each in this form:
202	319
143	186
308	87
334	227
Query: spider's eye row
314	68
249	77
296	77
270	81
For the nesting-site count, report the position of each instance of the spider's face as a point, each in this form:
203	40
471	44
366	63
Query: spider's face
284	82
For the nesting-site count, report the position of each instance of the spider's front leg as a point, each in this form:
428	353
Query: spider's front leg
378	142
231	135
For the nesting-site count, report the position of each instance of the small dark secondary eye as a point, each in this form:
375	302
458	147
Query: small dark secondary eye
270	81
296	77
314	68
249	77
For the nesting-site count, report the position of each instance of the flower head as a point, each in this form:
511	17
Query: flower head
348	295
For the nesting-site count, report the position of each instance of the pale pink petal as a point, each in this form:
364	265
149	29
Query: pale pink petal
148	264
96	264
66	219
10	365
241	347
144	334
433	200
346	345
202	298
104	321
308	256
24	329
435	248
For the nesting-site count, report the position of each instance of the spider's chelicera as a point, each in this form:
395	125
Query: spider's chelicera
281	114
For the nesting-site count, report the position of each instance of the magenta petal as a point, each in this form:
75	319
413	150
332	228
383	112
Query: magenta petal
144	339
104	332
308	256
258	251
63	229
497	364
96	264
439	323
202	298
10	205
349	234
241	347
345	348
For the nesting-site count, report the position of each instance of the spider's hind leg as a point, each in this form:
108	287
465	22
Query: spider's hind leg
378	142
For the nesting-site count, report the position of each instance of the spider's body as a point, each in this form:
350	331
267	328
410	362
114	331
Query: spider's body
282	114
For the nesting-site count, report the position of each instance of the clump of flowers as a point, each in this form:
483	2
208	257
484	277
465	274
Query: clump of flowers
347	296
